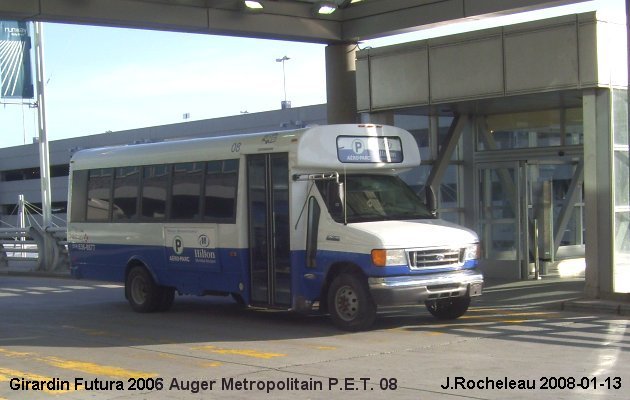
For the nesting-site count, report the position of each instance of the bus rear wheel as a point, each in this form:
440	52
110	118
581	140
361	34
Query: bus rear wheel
143	294
350	304
167	296
451	308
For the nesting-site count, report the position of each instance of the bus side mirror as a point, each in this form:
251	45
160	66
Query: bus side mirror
335	199
430	199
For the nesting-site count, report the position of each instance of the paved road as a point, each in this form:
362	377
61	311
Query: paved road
83	336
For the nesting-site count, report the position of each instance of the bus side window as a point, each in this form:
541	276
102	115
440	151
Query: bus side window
126	188
186	191
220	191
99	194
79	196
154	192
312	230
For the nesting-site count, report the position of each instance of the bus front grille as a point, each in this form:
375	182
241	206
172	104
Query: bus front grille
432	258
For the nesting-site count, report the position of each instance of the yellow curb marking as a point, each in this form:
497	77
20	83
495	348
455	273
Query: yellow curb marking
80	366
240	352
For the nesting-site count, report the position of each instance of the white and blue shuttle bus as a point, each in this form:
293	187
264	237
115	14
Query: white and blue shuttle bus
281	220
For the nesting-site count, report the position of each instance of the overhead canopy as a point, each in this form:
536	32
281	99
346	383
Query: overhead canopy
278	19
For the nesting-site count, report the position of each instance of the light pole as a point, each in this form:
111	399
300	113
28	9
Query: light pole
284	104
44	152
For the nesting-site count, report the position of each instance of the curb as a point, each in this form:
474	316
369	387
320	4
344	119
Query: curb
599	306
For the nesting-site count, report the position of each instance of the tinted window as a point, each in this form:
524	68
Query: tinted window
314	212
99	194
59	170
79	196
126	188
185	202
154	191
374	198
220	190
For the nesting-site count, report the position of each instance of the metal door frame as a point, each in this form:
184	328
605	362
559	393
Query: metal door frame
270	230
521	189
513	187
563	216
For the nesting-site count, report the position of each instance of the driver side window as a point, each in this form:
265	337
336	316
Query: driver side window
312	230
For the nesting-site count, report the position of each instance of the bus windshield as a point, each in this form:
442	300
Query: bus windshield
375	198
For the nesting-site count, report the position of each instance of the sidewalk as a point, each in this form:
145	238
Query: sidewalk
548	292
29	268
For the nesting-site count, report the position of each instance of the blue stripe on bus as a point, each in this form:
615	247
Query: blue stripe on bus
108	262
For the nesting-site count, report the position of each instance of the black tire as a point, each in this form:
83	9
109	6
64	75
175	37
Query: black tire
350	304
323	305
141	291
239	300
167	296
451	308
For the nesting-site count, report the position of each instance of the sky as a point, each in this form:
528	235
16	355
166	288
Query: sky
109	79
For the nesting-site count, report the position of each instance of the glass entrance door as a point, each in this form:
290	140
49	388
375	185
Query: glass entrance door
269	244
554	212
524	204
499	218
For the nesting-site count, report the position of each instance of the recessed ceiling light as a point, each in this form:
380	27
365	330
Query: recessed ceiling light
326	8
254	5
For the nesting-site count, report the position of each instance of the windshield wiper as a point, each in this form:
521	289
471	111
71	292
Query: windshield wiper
410	216
368	219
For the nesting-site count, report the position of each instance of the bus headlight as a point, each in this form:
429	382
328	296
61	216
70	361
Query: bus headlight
386	258
472	252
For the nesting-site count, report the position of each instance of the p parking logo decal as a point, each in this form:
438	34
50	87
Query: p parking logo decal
178	245
358	146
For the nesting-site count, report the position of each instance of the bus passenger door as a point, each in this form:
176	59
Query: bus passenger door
269	233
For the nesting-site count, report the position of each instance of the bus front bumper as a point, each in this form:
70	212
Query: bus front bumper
405	290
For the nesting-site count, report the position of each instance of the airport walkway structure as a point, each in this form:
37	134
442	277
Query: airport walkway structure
30	243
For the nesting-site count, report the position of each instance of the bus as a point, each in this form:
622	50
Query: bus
302	220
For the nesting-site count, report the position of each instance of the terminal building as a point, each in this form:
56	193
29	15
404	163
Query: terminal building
518	118
521	128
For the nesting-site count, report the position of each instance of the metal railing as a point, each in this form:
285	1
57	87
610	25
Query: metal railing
59	259
47	248
16	244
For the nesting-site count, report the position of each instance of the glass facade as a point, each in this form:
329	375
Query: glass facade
533	187
546	128
621	188
431	133
549	131
544	177
498	210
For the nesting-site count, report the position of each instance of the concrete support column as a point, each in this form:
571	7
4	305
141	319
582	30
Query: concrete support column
598	193
341	87
469	181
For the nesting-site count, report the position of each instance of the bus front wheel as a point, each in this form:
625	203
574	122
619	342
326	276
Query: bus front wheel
350	304
143	294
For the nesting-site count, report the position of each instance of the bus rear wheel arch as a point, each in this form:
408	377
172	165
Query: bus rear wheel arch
144	294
